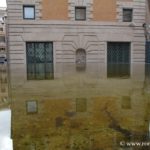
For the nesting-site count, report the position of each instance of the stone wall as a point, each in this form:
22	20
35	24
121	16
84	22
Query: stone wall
67	37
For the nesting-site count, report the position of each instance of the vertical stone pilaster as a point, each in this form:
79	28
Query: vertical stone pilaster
39	9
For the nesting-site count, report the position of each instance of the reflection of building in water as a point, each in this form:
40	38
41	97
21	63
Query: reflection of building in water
77	77
76	110
3	65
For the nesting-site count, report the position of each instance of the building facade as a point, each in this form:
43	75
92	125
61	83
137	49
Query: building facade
3	59
77	72
88	28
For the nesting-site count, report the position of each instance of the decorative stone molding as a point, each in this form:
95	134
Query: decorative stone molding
38	7
87	41
29	1
86	3
138	9
120	6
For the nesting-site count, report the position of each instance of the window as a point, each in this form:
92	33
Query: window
3	59
127	15
2	49
3	88
81	104
2	39
31	146
118	59
126	102
80	60
1	29
29	12
39	60
32	106
80	13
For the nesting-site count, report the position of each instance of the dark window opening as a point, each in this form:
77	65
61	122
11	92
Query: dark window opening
80	13
81	104
127	15
126	102
39	60
118	59
80	60
2	49
2	39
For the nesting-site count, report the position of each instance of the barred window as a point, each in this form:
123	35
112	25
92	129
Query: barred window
39	60
80	13
118	59
127	15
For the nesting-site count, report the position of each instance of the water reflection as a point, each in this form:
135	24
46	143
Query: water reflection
3	85
5	128
82	110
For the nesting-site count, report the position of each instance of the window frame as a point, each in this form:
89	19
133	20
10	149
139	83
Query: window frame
32	112
81	101
34	42
124	9
80	7
128	74
28	6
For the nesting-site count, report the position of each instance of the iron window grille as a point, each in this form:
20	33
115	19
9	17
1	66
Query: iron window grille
39	60
118	59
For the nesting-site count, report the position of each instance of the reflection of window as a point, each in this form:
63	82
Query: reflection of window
126	102
39	60
118	59
31	106
81	104
2	39
32	146
80	60
127	15
29	12
3	89
80	13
